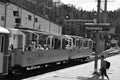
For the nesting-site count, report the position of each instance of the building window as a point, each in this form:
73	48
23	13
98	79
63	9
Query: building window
15	13
36	19
17	20
29	17
2	18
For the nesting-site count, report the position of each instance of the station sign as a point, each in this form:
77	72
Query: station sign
97	26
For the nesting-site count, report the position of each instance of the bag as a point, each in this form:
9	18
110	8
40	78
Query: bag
107	64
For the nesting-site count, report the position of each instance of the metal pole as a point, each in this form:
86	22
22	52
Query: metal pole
105	20
98	11
96	52
97	39
105	12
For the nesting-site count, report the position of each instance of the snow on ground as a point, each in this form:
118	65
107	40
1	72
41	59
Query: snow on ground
81	71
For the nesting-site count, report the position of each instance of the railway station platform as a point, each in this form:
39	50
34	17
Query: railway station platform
83	72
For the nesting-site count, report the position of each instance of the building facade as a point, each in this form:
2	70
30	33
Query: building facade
2	13
16	18
19	17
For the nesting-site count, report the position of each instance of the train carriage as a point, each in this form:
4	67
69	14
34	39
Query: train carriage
24	49
47	49
4	55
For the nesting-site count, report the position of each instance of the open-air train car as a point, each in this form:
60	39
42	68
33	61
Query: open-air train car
33	49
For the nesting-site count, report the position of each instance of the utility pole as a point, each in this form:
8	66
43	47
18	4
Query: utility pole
105	12
105	21
97	39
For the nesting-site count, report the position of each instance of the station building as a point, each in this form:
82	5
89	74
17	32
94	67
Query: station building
2	12
25	18
25	25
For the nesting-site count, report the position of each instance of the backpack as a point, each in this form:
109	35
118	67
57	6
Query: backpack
107	64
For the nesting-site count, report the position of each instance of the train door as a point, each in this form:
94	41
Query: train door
2	43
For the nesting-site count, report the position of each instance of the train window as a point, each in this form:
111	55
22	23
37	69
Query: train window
13	37
34	37
20	41
85	43
2	43
90	44
53	42
64	43
43	40
48	41
80	43
74	41
57	44
70	42
77	43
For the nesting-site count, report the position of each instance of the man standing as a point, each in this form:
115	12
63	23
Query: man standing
103	68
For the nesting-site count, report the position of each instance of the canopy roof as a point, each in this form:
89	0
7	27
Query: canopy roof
4	30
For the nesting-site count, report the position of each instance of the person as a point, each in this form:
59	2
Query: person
11	47
103	68
40	47
45	46
30	47
67	46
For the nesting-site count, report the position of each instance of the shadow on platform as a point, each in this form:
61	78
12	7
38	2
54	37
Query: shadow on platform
79	78
88	78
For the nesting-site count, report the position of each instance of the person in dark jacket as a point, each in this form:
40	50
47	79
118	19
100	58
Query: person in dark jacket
103	68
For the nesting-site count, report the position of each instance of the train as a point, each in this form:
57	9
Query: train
26	49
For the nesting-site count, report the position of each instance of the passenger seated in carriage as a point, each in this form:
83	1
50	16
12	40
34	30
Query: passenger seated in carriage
46	47
29	47
40	47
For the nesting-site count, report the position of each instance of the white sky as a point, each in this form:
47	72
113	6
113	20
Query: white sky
92	4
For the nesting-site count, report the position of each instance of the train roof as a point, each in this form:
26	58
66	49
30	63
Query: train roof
14	31
72	36
4	30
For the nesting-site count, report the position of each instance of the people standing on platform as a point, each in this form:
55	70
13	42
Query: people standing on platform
103	68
